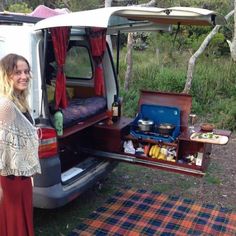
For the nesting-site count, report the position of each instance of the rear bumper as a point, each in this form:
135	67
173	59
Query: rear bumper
59	195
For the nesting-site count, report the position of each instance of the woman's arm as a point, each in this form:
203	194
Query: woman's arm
6	116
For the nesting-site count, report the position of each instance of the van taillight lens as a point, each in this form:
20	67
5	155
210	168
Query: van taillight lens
47	142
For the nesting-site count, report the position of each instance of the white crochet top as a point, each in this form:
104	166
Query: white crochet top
18	142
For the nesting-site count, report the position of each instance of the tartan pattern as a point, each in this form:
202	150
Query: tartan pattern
139	212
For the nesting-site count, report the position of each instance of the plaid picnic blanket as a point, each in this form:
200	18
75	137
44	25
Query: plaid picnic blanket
139	212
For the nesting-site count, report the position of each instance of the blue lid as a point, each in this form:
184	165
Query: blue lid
161	114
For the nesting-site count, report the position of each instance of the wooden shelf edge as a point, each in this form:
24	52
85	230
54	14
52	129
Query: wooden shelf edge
84	124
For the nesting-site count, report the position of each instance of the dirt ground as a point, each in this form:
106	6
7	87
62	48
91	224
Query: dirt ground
218	186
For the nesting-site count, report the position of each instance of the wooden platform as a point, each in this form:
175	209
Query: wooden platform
84	124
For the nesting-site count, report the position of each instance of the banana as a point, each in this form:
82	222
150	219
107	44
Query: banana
162	156
163	150
157	151
170	158
151	150
154	151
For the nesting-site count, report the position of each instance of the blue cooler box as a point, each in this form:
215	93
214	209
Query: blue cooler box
159	114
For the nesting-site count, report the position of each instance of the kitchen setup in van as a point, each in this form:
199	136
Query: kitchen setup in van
75	76
184	149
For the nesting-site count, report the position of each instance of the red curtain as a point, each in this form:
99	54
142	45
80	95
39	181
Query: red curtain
97	38
60	39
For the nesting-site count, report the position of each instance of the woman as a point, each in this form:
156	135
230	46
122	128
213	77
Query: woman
18	148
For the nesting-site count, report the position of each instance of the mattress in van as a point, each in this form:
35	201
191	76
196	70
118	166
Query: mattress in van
81	108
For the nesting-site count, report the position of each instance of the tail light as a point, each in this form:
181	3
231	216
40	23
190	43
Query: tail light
47	142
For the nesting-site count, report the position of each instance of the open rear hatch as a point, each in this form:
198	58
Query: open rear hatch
133	18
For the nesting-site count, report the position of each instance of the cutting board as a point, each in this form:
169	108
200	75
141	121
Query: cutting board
209	138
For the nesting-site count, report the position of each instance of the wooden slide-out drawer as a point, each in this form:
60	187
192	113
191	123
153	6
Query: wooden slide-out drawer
107	141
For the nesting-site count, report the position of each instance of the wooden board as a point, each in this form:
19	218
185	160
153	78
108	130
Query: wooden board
209	138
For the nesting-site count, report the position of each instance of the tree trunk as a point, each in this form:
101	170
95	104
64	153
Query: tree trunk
108	3
129	61
193	58
1	7
108	37
151	3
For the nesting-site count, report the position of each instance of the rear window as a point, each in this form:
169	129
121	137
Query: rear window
78	63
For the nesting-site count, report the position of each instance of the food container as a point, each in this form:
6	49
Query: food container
165	129
206	127
145	124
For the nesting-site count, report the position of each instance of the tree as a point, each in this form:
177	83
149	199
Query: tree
200	50
129	60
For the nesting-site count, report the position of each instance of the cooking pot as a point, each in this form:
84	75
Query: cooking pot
165	129
145	124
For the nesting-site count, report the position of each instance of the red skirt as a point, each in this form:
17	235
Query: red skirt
16	210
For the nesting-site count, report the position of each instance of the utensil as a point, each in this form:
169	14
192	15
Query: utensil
145	124
165	129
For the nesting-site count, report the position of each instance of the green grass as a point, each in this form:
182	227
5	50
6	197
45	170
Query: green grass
212	179
211	174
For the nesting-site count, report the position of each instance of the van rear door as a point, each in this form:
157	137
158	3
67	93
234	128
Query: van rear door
133	18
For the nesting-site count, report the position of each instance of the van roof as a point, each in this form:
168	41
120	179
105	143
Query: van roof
122	18
17	18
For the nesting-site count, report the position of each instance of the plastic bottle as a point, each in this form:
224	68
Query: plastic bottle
58	122
116	109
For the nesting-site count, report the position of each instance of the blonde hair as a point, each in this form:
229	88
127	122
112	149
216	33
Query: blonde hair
8	65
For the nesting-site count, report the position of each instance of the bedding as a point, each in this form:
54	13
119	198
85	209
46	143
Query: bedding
81	108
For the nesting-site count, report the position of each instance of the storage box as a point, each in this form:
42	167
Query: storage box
159	114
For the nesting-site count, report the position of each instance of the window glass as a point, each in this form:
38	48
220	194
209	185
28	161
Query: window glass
78	63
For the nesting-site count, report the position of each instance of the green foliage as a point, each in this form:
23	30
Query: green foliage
130	102
190	38
76	5
218	45
223	5
19	7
